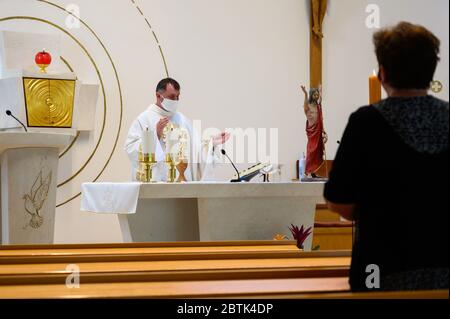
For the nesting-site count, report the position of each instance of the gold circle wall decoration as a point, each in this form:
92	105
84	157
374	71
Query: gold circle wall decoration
141	12
67	64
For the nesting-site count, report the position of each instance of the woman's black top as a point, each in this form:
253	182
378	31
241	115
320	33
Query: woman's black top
392	164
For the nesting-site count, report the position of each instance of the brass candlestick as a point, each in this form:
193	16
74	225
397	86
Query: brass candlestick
171	166
146	164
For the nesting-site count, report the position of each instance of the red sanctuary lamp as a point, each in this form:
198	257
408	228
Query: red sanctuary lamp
43	60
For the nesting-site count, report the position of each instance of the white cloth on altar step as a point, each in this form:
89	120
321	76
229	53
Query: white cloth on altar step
201	155
110	198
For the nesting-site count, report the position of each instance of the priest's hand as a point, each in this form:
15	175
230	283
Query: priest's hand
221	138
161	126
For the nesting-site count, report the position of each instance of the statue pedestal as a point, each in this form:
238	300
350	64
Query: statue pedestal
29	170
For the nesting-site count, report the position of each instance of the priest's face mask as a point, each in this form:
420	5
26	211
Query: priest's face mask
169	98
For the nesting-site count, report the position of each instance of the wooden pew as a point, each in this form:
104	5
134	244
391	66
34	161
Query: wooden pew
330	233
248	288
297	288
181	270
323	214
184	266
170	269
67	254
141	251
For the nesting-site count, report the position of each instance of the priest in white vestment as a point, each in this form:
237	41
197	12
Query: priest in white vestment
201	154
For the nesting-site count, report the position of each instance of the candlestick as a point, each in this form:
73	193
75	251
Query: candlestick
374	89
171	168
144	173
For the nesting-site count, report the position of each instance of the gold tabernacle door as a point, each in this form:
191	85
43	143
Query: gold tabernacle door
49	102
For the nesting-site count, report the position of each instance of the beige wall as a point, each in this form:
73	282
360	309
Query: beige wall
240	63
349	54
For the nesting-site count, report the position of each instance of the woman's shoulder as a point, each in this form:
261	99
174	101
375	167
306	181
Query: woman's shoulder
365	115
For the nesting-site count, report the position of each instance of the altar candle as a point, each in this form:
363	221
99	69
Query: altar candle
148	141
374	89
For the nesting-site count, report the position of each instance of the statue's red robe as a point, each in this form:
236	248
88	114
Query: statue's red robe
315	147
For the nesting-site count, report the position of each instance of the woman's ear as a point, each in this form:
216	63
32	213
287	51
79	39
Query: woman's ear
384	80
382	74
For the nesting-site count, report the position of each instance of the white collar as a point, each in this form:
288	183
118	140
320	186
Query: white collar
155	108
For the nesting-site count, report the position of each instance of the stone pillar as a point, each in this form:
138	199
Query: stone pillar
28	195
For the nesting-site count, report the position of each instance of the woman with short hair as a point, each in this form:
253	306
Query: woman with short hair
390	174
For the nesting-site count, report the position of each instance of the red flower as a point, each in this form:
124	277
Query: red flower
300	234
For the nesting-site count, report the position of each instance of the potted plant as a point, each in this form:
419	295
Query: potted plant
300	235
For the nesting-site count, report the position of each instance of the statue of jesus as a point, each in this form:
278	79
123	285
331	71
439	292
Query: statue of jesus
317	138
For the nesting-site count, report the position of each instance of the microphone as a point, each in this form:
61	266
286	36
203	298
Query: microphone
234	166
9	113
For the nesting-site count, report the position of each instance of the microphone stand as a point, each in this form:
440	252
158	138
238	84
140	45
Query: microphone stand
238	180
9	113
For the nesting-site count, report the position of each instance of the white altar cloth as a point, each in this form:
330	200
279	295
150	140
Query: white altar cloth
110	198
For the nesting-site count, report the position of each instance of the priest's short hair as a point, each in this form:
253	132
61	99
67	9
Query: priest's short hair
162	85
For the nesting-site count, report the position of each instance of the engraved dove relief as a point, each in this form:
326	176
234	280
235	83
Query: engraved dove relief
34	201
